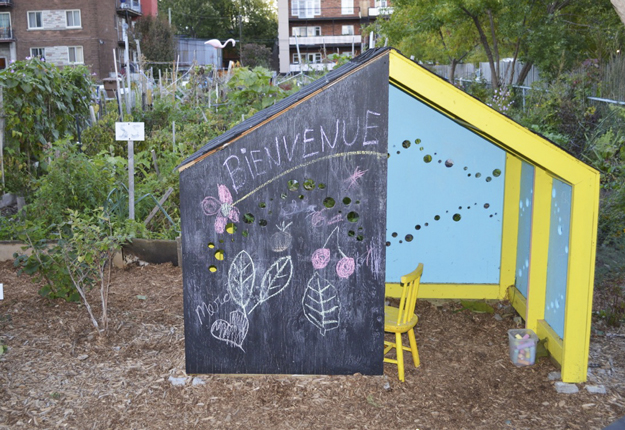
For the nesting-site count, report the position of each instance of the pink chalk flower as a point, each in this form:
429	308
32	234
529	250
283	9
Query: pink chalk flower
345	267
223	208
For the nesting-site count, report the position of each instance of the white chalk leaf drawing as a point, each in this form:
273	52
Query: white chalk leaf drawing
274	281
241	279
321	304
232	332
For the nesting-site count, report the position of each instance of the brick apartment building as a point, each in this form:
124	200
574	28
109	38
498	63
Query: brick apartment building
67	32
319	28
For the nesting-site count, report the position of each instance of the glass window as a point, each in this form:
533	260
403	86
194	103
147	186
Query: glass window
305	8
3	63
74	55
72	18
35	20
38	52
347	30
347	7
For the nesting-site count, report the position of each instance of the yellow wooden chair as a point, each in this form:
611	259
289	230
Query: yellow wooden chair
403	320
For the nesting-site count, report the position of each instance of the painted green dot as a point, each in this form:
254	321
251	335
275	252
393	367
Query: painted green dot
245	233
283	196
347	200
231	228
248	218
351	233
406	144
486	205
409	238
427	158
417	227
496	173
417	141
321	186
353	217
301	197
456	217
437	217
488	179
262	222
309	184
293	185
478	174
262	205
394	234
360	237
329	202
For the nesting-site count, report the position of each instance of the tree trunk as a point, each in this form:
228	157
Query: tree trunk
524	72
486	45
452	72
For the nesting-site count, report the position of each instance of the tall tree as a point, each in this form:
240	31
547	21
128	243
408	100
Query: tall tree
254	20
156	38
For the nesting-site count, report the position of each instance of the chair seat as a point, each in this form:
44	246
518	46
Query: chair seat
391	315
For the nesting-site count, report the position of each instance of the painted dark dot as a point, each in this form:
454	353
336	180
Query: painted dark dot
440	161
262	205
301	197
426	224
427	158
245	233
486	205
353	217
488	179
394	234
409	238
231	228
262	222
357	202
212	269
491	215
417	227
388	243
465	168
478	174
359	228
469	174
248	218
360	237
468	207
406	144
388	155
347	200
329	202
456	217
321	186
221	241
398	152
401	241
496	173
449	163
437	217
351	233
460	207
293	185
309	184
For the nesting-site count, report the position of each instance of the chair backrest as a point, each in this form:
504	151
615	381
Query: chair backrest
408	299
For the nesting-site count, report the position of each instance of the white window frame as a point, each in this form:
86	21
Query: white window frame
306	31
74	13
310	57
34	54
35	13
77	52
347	7
305	8
347	30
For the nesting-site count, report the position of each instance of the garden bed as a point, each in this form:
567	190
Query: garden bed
58	372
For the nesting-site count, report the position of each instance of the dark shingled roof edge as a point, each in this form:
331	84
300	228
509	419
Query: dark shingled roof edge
264	114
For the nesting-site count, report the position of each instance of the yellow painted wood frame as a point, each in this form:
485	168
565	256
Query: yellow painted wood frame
549	162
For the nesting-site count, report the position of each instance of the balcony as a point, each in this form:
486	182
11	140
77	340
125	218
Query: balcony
6	34
6	3
130	7
325	14
326	40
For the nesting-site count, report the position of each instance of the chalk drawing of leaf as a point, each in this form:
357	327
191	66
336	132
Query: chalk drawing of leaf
274	281
321	304
241	279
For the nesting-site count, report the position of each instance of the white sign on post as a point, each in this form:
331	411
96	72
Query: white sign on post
129	131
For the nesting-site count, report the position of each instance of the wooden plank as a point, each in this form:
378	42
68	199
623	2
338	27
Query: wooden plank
160	203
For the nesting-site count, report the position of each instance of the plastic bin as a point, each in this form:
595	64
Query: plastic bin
522	346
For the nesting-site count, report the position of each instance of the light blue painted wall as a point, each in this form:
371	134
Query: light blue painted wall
526	201
558	259
465	178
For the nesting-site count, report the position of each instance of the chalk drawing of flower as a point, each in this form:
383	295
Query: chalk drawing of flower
223	208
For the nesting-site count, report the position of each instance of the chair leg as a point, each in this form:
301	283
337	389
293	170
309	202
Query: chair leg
400	356
413	348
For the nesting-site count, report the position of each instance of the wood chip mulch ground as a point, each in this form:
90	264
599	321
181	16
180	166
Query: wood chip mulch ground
58	373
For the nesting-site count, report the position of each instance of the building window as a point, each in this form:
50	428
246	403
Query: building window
38	52
35	20
381	3
305	8
306	31
347	7
3	63
72	18
74	55
308	57
5	25
347	30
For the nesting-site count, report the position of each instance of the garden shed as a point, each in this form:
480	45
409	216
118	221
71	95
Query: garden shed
296	221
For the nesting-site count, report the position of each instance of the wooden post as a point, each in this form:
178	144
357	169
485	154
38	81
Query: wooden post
158	173
2	134
119	99
131	180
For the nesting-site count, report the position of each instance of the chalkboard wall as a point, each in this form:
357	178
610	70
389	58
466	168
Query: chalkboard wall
283	238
